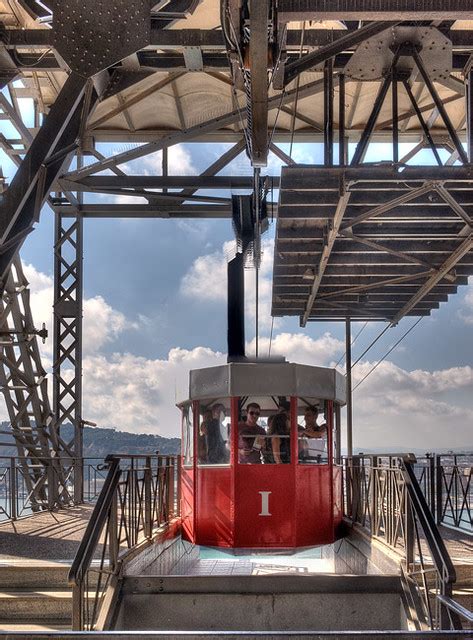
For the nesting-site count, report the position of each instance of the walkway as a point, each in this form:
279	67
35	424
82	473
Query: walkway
53	536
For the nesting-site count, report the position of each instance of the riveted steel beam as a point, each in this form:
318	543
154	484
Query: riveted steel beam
374	10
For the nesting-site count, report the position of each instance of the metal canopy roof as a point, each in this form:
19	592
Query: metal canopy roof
371	243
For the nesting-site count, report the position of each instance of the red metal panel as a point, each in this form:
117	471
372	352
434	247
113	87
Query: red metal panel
314	510
337	501
264	506
187	504
214	521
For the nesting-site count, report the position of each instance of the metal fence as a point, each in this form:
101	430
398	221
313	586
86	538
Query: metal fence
18	500
140	494
383	495
446	482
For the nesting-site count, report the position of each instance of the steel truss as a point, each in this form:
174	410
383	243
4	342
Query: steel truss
268	82
67	357
23	382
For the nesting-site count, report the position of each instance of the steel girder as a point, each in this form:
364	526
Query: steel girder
48	153
373	10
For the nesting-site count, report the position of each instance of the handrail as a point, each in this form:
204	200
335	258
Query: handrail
137	498
434	539
456	607
383	494
96	523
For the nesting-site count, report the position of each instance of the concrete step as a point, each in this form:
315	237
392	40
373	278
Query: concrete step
36	606
28	627
45	575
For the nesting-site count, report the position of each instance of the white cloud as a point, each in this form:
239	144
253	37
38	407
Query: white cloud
393	408
101	323
301	348
137	394
412	409
179	163
206	280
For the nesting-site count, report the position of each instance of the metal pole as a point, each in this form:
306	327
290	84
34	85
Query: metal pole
13	490
328	113
395	112
165	165
257	248
469	111
438	490
148	498
349	388
342	152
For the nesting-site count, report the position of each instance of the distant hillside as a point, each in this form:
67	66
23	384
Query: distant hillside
99	442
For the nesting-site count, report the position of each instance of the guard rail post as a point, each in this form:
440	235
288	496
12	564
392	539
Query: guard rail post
432	492
170	486
408	531
374	496
51	484
178	485
438	490
147	490
13	489
114	542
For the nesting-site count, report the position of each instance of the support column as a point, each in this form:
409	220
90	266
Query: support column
469	113
328	113
349	388
67	357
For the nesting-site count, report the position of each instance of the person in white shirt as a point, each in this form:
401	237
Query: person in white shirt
315	449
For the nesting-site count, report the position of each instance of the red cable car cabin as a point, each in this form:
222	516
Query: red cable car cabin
258	465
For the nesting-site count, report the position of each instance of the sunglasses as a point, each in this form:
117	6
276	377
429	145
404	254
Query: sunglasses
253	413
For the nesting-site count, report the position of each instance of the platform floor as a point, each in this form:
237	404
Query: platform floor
55	536
215	562
46	536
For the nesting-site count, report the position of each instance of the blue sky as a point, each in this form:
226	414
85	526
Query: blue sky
155	307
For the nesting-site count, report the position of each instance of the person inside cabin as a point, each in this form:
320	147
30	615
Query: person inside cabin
250	440
316	443
217	452
278	445
202	437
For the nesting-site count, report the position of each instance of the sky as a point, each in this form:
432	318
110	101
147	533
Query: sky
155	307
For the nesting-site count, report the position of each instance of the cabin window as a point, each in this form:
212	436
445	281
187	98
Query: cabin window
213	437
312	432
264	433
188	435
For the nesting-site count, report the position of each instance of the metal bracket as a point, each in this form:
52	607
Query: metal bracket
91	36
374	57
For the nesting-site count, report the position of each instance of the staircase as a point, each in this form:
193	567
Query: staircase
260	603
35	596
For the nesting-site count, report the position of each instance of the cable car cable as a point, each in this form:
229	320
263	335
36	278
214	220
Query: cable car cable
371	345
388	352
352	343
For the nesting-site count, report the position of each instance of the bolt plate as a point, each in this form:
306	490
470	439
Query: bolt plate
373	58
91	35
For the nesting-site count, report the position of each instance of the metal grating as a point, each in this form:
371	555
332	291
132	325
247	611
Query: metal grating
371	242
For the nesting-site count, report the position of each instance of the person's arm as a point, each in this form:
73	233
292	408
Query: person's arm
276	446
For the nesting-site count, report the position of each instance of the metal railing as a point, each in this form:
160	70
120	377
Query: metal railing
383	495
139	495
19	499
446	481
